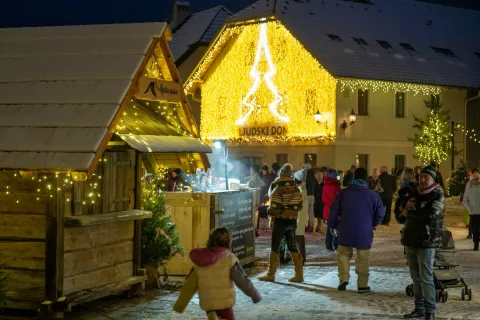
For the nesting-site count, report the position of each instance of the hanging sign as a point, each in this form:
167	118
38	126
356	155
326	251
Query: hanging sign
158	90
264	130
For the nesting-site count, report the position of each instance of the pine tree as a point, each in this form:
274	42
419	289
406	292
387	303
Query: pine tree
433	142
458	181
160	239
3	286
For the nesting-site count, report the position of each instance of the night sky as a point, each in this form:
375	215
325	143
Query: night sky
27	13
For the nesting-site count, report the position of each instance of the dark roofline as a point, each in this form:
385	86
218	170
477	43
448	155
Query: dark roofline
190	49
252	17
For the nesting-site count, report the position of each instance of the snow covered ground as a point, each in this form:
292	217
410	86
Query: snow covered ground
318	297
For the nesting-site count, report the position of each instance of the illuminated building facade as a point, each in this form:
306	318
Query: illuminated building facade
282	77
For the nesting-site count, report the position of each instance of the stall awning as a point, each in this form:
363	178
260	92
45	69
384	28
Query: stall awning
165	144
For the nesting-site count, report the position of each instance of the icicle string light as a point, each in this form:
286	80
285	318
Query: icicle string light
387	86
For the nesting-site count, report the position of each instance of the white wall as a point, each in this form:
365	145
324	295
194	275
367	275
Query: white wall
381	134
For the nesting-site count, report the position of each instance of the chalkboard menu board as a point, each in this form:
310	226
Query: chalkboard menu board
237	216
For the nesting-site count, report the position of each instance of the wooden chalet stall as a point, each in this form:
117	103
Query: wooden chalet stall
77	131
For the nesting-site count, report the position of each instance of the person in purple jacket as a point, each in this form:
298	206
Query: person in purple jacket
354	213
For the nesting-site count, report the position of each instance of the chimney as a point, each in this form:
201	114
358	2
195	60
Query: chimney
181	11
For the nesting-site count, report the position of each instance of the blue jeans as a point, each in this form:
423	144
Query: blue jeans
331	242
420	263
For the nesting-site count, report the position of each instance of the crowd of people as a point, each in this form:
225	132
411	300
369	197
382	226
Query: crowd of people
302	201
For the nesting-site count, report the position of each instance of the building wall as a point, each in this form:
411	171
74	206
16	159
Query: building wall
381	135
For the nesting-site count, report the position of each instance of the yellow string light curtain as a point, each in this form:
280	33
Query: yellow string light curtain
296	84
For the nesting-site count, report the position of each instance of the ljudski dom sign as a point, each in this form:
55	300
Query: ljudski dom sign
264	130
158	90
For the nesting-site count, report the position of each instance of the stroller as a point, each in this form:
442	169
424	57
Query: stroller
445	272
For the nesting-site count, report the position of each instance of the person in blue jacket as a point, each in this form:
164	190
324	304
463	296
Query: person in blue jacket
354	213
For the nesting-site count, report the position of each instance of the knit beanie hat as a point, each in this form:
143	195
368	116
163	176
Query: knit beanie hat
360	173
286	170
431	171
332	174
265	168
299	175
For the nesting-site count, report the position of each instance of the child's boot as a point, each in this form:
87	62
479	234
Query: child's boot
297	261
272	268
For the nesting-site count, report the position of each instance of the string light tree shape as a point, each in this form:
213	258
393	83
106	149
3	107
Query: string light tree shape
433	142
263	51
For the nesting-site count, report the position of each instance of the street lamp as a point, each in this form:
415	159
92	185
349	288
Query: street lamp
220	144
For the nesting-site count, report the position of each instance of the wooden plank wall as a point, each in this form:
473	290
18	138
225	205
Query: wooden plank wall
97	255
191	213
114	180
22	240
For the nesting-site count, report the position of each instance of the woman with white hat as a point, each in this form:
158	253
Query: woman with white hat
302	220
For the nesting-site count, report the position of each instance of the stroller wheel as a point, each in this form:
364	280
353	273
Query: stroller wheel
444	296
469	294
438	296
463	293
409	290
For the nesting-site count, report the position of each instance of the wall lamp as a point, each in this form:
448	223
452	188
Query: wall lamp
352	117
319	118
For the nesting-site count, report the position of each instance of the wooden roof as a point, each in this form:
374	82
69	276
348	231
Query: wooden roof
62	89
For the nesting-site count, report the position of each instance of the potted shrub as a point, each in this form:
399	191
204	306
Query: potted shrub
160	240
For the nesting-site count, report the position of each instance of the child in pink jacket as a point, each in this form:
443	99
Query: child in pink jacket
215	272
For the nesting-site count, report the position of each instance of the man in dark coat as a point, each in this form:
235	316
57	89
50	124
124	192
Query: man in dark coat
355	212
422	217
439	179
348	176
389	185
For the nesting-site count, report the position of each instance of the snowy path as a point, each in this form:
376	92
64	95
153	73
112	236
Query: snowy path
318	297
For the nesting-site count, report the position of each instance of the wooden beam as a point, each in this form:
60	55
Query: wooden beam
104	218
176	78
137	249
100	292
51	247
123	105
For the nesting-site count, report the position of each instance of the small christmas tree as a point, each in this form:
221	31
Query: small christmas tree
458	181
160	239
433	142
3	286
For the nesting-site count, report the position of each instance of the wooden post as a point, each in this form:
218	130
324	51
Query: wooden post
54	243
138	223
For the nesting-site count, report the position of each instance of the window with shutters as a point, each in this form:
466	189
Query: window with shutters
362	161
362	102
400	104
310	158
282	158
400	161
